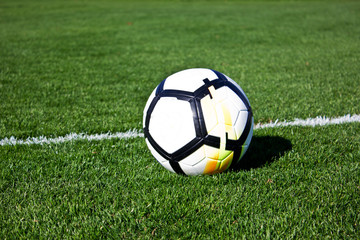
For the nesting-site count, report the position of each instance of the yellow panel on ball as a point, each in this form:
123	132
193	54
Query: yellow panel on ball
211	166
217	166
225	164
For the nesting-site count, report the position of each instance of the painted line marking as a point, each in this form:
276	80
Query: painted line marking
312	122
71	137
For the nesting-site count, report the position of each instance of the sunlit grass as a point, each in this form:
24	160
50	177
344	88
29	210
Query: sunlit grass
89	67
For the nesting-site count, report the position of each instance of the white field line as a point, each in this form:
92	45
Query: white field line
312	122
71	137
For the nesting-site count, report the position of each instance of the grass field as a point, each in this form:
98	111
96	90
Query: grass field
89	67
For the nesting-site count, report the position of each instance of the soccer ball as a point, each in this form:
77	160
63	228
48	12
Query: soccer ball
198	121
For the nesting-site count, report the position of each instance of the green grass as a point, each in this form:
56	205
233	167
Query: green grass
89	66
115	188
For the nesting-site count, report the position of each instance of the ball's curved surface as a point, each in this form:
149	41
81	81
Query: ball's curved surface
198	121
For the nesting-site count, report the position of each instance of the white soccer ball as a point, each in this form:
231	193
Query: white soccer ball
198	121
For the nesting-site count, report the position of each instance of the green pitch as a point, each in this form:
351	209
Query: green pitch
89	67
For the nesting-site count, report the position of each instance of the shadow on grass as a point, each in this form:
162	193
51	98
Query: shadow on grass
263	151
